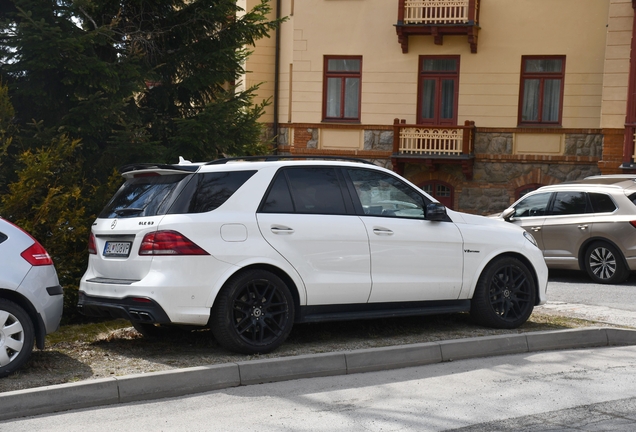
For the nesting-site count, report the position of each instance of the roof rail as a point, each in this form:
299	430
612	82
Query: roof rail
268	158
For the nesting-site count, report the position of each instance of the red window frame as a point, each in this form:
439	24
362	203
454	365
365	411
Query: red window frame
342	75
434	184
438	76
542	77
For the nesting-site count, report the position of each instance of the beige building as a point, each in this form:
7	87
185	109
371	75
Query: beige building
475	101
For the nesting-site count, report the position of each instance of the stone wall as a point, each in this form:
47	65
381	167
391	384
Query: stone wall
493	187
378	140
497	172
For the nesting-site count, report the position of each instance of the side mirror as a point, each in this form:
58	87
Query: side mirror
436	212
507	213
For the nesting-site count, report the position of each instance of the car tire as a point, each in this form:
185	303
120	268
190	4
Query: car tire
604	263
16	337
253	313
505	294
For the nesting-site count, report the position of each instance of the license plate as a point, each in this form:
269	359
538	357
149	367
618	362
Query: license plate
117	249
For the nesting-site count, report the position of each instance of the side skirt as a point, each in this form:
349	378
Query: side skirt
345	312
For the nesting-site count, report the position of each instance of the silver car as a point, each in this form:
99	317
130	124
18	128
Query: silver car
31	298
588	225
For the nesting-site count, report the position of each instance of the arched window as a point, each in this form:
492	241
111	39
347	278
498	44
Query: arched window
441	191
526	189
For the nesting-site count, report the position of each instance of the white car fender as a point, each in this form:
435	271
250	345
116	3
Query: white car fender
259	261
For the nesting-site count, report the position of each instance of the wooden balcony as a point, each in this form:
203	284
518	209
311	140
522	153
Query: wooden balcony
433	146
437	18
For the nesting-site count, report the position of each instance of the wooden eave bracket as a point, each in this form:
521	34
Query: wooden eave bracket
467	162
437	31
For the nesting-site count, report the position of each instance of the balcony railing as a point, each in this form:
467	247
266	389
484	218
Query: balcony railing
434	145
438	18
436	11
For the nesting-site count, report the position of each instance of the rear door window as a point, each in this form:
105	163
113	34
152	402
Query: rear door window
307	190
570	203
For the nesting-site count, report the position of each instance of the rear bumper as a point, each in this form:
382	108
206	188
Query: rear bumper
134	309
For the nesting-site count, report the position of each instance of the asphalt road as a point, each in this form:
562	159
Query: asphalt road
568	390
574	294
573	390
576	287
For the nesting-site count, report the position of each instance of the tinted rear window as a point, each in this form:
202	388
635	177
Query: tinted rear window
206	192
174	194
145	196
602	203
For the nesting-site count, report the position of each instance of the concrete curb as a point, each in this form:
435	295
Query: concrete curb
143	387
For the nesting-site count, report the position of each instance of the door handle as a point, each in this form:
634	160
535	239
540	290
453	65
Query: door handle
582	227
535	228
277	229
382	231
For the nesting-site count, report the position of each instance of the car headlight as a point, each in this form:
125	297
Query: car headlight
530	238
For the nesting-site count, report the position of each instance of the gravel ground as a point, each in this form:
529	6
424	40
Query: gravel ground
78	353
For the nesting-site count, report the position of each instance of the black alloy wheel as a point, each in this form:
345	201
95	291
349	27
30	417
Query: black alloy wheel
254	313
505	294
604	263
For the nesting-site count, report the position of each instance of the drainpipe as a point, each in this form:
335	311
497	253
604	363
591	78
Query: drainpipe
276	78
630	117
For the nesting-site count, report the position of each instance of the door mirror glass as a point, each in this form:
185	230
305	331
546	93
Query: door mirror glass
436	212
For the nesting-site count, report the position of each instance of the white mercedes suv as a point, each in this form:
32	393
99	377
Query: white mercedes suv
250	246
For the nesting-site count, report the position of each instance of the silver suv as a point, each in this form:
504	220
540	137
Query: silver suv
248	248
588	225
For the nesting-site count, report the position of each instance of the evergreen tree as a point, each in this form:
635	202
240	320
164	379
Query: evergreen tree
89	85
134	80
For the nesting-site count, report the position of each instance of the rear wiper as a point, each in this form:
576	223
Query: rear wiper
128	211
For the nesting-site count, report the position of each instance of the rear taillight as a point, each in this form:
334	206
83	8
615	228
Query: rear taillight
168	243
633	223
92	249
36	255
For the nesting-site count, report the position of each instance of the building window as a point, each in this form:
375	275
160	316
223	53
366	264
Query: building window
342	88
541	94
438	89
441	191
